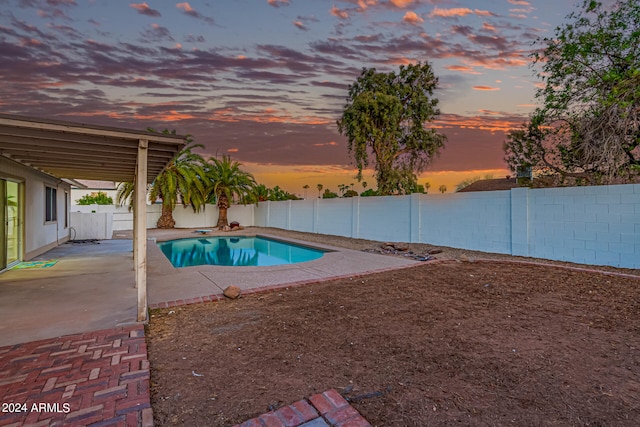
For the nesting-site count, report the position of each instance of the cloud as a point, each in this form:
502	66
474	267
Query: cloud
488	27
190	38
457	12
412	18
144	9
401	3
58	3
339	13
300	25
520	2
278	3
485	88
188	10
462	68
157	33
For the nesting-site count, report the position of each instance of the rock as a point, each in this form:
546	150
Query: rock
234	225
434	251
402	247
231	292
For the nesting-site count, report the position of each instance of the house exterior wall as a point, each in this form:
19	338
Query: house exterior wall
38	235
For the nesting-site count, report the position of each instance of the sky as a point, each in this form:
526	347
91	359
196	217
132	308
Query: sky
264	81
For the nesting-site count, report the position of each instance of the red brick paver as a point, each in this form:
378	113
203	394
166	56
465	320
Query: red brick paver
99	378
329	406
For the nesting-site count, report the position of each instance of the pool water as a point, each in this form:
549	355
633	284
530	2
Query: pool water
235	251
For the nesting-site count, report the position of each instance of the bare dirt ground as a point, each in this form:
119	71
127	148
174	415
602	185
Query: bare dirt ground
447	343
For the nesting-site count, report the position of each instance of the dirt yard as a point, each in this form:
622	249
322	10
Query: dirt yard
447	343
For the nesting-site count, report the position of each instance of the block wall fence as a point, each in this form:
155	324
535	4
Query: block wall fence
597	225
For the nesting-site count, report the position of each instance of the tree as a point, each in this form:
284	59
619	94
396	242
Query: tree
306	187
442	188
319	187
184	179
384	122
328	194
588	126
427	186
261	193
369	193
95	198
228	183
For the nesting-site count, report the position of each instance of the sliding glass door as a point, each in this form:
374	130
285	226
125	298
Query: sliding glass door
10	230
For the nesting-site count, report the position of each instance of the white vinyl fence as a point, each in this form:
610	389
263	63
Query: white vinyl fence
590	225
122	218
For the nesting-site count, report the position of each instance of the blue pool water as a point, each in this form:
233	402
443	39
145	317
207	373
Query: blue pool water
235	251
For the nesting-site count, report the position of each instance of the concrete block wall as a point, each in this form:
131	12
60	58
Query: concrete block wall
478	221
592	225
597	225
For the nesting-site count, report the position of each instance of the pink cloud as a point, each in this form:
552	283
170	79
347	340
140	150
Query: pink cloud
144	9
488	27
448	13
412	18
457	12
300	25
462	69
185	6
364	4
485	88
401	3
278	3
339	13
520	2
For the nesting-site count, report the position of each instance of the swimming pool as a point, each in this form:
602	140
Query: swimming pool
255	251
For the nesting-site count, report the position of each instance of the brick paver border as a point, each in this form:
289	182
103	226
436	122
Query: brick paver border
98	379
328	409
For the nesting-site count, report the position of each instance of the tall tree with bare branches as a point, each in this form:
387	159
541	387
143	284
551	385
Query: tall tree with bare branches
588	125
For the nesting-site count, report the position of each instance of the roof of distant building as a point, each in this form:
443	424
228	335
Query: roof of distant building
491	185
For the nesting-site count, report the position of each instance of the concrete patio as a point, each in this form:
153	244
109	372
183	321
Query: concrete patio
92	285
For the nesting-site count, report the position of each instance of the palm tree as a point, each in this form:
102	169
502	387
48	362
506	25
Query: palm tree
442	188
306	187
261	193
427	186
228	182
184	179
319	187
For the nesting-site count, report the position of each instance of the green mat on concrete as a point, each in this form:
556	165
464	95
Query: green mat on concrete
35	264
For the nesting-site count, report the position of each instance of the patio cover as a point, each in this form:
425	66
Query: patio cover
70	150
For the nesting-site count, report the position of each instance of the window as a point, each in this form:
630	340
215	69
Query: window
50	204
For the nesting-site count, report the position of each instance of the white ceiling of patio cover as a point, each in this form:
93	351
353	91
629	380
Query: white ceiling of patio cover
78	151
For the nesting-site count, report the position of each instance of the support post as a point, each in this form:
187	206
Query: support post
140	229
